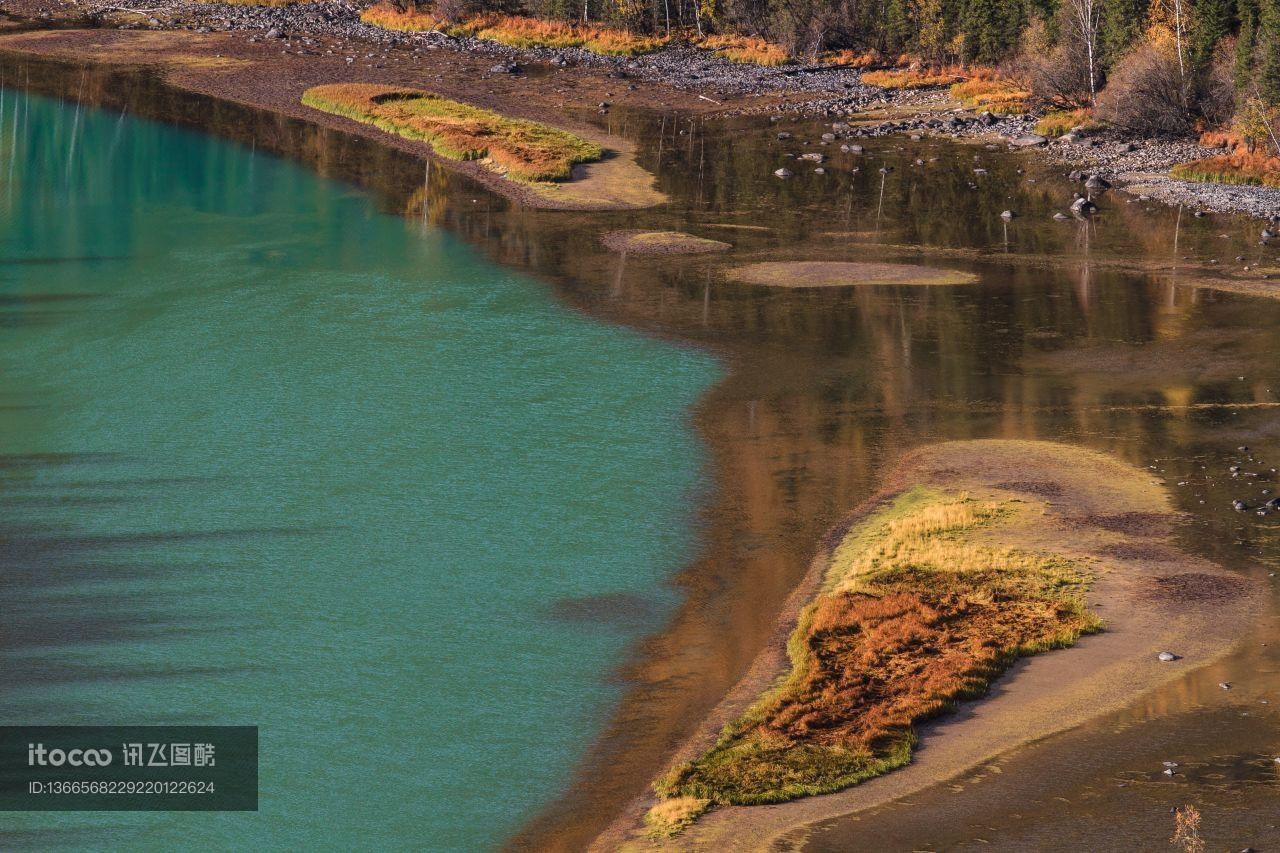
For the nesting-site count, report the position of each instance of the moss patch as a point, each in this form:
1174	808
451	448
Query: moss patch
660	243
845	274
520	149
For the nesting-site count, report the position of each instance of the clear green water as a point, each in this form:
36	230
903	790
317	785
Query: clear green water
269	456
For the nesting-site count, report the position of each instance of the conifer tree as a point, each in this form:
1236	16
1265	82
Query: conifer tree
1267	51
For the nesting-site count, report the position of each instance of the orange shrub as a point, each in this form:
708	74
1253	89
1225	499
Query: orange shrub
518	31
914	78
991	93
1239	167
388	17
745	49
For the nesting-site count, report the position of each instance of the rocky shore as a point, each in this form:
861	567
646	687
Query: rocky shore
334	30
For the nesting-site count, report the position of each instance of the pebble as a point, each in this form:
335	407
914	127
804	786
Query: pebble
1167	656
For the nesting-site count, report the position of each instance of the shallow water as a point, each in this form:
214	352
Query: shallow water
1109	333
270	456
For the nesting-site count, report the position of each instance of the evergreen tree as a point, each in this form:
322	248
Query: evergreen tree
1210	21
1248	11
1267	51
1123	21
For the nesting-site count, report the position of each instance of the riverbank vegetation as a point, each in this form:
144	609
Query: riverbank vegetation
918	608
518	31
522	150
1145	67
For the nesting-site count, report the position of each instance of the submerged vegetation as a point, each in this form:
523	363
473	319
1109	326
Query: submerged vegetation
660	243
522	150
845	274
916	611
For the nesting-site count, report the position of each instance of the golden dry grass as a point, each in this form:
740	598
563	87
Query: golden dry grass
999	95
913	78
518	31
520	149
853	58
1238	167
669	817
1054	124
748	50
916	611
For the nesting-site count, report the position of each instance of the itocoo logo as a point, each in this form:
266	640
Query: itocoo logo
37	755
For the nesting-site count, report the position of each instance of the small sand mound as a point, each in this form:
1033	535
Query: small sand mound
844	274
660	243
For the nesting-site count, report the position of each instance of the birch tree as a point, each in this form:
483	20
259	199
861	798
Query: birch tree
1086	18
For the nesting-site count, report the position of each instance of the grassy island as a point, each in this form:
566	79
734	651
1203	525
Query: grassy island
917	610
522	150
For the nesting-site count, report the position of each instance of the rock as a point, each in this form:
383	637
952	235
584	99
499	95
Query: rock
813	157
1076	175
274	33
884	170
1097	183
1083	207
1268	234
1239	505
1031	140
986	118
511	68
1225	685
828	136
783	173
1167	656
1060	216
1007	215
1169	763
851	149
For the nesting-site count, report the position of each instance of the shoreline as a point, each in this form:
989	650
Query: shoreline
1037	696
679	77
369	142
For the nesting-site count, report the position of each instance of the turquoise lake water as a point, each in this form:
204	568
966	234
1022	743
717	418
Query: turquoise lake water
269	456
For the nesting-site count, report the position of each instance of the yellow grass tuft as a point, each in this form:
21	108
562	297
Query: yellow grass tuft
917	610
1241	166
669	817
913	78
1055	124
520	149
748	50
414	20
853	58
518	31
996	94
